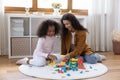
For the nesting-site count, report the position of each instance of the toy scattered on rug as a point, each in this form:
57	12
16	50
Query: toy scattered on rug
53	63
68	64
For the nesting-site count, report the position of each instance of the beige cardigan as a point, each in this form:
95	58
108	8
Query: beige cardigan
80	46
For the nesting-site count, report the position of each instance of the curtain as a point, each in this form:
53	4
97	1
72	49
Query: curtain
100	25
115	14
3	40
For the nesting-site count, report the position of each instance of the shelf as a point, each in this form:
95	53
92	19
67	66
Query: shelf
22	31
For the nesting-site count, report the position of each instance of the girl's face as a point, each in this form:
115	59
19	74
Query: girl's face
68	25
51	31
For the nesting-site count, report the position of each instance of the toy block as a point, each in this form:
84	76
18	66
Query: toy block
52	63
80	63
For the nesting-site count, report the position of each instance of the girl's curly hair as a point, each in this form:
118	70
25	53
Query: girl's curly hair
43	27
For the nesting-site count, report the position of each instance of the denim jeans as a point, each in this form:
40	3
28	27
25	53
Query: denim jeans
92	58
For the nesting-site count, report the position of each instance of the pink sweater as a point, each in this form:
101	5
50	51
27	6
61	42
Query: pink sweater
44	46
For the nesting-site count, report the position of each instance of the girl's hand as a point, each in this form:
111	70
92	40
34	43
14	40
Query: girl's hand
52	57
67	56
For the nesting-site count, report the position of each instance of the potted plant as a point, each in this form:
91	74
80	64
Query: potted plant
56	7
116	42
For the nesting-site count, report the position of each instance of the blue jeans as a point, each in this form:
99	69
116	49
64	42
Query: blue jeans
92	58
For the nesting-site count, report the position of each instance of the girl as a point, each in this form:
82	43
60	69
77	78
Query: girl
45	45
74	40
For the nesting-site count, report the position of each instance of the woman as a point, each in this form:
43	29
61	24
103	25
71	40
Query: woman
74	40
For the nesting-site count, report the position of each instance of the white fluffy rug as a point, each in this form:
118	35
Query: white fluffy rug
47	72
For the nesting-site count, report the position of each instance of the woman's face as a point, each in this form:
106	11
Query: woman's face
51	31
68	25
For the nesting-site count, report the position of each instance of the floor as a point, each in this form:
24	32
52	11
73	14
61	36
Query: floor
9	70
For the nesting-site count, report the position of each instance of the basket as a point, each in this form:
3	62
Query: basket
116	47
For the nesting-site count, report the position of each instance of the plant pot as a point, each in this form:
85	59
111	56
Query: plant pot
56	11
116	47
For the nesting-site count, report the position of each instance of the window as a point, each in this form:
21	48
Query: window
18	3
81	4
47	3
45	6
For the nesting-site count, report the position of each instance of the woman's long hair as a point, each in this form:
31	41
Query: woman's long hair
74	22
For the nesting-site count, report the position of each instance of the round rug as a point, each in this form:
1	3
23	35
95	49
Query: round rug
48	72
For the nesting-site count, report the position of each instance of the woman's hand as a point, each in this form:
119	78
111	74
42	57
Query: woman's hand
52	57
67	56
